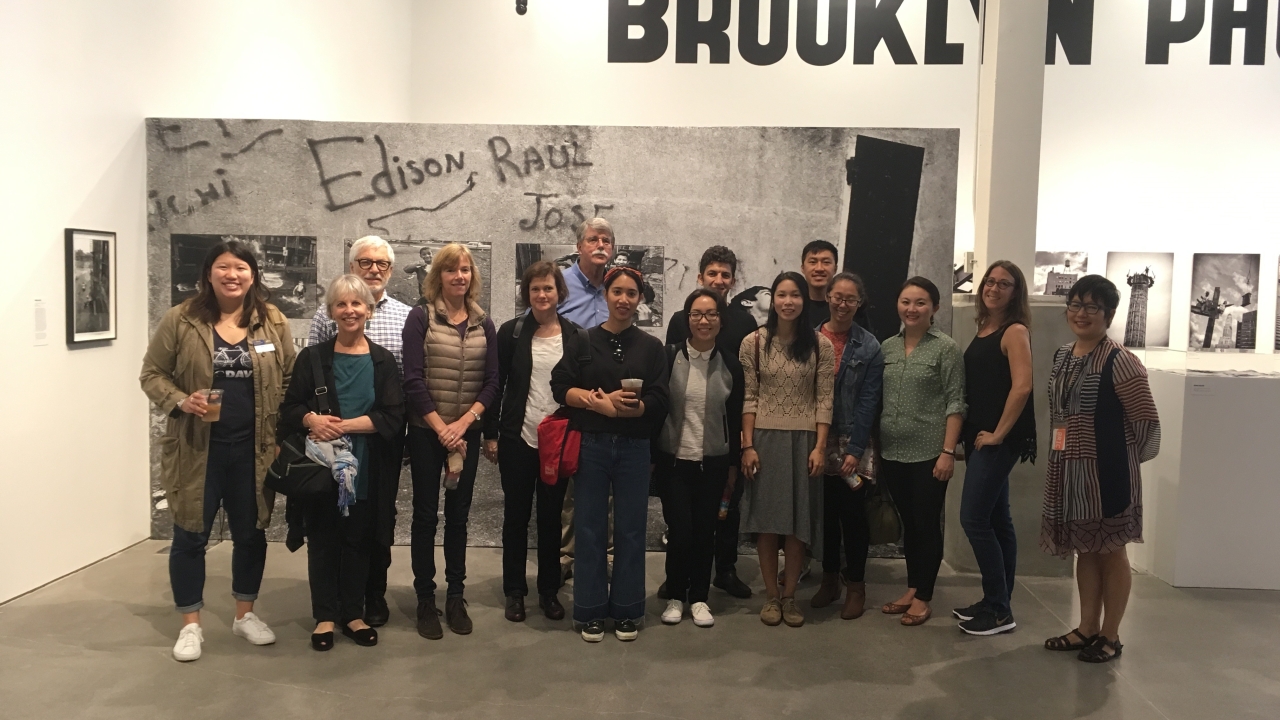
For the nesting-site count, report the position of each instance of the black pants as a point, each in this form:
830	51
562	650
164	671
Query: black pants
727	532
920	498
691	493
380	554
228	483
427	459
518	464
338	558
844	517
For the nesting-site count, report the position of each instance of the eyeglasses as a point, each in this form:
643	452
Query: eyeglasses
697	316
366	263
851	301
1087	308
616	344
1002	284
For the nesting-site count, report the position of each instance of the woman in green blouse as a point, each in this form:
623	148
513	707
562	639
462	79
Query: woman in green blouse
919	428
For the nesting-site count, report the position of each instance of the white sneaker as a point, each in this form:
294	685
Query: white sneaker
702	615
188	646
673	613
253	629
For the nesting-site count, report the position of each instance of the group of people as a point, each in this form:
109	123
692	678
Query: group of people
780	431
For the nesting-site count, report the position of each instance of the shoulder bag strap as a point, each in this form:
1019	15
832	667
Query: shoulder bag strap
322	391
519	326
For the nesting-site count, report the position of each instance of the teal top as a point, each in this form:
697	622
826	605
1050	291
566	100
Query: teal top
920	391
353	375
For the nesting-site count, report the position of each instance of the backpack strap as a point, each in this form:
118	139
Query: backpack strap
584	349
515	334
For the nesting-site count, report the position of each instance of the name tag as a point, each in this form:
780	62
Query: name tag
1059	437
262	346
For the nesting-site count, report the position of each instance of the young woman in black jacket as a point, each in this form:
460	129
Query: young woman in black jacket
529	346
362	387
696	454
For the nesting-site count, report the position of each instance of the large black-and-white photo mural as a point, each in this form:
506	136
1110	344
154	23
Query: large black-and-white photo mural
1145	281
302	190
1224	302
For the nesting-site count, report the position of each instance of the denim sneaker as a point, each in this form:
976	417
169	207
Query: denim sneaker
969	613
987	622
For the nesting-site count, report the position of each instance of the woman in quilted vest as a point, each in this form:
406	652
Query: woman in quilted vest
450	377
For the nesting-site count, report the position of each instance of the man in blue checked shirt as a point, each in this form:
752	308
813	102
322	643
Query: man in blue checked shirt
585	305
371	258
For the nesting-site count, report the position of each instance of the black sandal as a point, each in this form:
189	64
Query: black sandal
322	641
1096	652
365	637
1063	643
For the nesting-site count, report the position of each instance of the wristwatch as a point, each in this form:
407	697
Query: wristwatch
475	415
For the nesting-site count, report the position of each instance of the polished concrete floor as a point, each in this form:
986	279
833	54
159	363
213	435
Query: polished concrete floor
96	645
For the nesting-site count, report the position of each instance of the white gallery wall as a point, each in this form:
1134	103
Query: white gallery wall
76	80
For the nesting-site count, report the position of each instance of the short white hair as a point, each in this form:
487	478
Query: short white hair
370	241
348	286
598	224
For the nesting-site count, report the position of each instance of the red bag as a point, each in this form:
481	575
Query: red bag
558	448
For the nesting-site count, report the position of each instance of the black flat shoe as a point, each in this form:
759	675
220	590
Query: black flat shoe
376	612
732	584
515	608
367	637
551	607
322	641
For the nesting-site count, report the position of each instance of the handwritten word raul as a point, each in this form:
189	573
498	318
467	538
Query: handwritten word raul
557	158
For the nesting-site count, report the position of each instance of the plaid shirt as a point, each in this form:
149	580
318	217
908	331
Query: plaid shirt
384	329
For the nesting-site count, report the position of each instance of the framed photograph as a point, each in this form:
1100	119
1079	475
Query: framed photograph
91	286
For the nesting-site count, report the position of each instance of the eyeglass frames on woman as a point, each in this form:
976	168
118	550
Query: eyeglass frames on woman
697	316
366	263
994	283
847	301
1086	308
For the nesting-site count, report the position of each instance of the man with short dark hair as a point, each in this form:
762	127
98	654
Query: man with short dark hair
717	271
818	262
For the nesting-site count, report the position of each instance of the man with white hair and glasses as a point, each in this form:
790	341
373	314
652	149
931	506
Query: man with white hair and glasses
371	258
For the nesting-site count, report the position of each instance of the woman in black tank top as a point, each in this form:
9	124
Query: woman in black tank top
999	430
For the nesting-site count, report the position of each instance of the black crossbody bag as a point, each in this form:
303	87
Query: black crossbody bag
292	473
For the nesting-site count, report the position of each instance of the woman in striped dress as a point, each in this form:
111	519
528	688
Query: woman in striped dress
1104	426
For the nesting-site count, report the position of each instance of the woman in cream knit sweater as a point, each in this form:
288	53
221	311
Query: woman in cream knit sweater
789	372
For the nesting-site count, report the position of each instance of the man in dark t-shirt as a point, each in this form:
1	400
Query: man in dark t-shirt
818	262
717	271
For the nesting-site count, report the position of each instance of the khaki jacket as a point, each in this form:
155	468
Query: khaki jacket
179	361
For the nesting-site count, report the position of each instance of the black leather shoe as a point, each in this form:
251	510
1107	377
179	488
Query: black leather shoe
376	612
551	607
730	583
367	637
455	615
322	641
429	620
515	608
663	593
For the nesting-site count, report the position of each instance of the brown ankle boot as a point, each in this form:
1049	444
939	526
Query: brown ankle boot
855	601
828	593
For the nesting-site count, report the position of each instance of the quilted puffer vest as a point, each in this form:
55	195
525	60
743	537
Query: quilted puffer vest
454	365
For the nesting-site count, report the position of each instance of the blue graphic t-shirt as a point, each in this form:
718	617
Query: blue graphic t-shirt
233	375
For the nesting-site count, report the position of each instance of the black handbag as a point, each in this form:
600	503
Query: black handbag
292	473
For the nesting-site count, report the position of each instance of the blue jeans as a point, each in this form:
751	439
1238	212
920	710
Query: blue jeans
228	483
984	515
621	465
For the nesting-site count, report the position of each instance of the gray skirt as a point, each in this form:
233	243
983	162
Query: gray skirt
782	499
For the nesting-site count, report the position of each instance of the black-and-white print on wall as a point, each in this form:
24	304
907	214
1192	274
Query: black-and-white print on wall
1224	302
91	285
886	197
1145	281
413	262
287	264
645	258
1056	272
756	300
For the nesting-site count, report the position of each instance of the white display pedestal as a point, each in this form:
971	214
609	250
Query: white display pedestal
1210	498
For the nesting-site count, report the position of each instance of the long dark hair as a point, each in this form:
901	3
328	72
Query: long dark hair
804	341
204	306
1019	309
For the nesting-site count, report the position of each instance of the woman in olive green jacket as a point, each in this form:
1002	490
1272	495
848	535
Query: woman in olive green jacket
229	340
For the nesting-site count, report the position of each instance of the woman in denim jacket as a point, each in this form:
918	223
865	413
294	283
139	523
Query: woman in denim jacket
859	378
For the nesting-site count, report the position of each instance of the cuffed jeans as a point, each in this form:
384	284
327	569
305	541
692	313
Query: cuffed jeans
920	498
427	459
844	517
228	483
621	465
691	493
518	463
987	522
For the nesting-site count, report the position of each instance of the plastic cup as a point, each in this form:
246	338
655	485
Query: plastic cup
632	385
214	399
